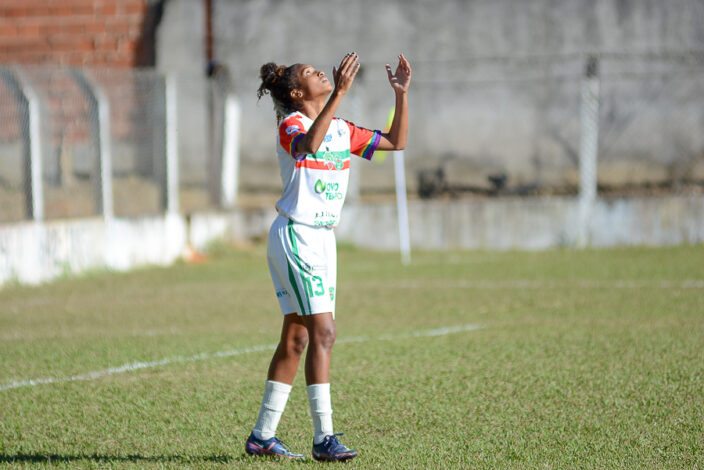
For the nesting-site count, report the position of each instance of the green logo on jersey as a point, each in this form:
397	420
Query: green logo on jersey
334	160
328	191
319	187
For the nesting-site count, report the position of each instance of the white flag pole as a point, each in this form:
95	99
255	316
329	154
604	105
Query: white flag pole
404	235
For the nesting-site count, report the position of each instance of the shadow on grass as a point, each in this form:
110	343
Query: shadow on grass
67	458
133	458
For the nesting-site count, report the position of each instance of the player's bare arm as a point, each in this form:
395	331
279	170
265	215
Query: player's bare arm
400	81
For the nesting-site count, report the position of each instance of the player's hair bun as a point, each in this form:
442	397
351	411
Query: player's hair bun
278	81
270	73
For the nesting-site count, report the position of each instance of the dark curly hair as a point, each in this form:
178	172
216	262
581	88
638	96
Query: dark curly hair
278	81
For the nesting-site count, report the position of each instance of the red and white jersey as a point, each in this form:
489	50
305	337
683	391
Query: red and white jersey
315	185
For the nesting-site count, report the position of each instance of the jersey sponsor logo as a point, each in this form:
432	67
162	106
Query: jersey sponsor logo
292	129
328	191
319	187
333	161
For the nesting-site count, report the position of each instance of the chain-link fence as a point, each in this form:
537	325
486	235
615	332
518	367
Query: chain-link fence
138	139
69	151
98	146
14	122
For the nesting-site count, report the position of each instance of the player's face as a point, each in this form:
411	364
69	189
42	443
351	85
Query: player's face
313	83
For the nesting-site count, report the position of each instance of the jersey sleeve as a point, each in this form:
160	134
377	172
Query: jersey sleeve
291	131
363	142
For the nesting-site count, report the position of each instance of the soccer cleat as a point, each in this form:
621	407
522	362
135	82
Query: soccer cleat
270	447
332	450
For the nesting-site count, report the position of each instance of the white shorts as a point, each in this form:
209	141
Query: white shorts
303	266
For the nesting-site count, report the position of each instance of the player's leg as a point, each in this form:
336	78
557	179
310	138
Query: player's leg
321	335
294	335
282	371
321	326
284	363
294	338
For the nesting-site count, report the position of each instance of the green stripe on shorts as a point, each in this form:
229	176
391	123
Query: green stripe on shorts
291	276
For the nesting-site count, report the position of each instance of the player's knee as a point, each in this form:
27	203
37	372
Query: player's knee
296	345
325	336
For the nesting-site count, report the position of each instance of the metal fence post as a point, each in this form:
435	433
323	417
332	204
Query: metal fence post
101	129
35	153
172	175
588	149
29	104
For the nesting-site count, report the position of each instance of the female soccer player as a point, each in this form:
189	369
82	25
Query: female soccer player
314	150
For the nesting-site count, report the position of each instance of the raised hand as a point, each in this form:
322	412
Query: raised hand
401	80
344	74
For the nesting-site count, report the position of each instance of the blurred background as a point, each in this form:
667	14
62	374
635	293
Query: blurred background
534	123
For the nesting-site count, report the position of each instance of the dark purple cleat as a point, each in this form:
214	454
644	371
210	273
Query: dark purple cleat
271	447
332	450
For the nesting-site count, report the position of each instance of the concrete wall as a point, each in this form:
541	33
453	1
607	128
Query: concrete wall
533	223
496	85
490	224
32	253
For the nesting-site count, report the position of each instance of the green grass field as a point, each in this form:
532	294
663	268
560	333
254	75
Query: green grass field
582	359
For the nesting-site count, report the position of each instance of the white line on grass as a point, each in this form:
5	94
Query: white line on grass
134	366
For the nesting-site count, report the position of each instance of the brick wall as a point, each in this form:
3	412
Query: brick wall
104	33
107	38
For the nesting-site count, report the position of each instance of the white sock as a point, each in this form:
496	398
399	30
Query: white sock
273	405
320	411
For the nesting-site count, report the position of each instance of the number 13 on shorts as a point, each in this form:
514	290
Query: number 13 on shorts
313	285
